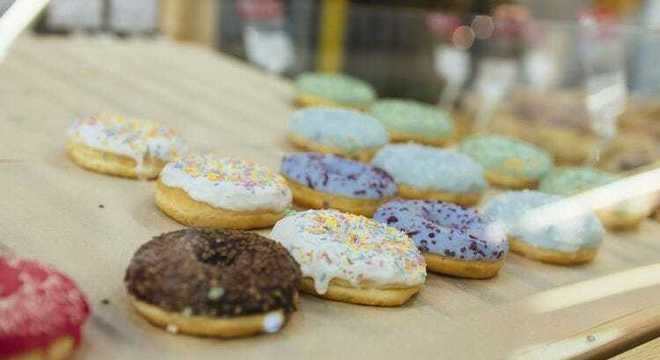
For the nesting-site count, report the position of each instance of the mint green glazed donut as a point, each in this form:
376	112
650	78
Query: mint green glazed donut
408	120
314	89
508	162
623	215
571	180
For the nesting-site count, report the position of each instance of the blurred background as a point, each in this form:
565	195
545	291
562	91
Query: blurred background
569	75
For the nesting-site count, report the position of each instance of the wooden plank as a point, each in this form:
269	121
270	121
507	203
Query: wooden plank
646	351
604	340
220	104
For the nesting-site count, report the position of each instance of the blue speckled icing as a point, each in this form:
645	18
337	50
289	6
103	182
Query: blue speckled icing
446	229
338	176
346	129
585	231
429	168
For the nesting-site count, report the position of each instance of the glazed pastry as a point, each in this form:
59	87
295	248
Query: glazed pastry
572	180
408	120
336	131
42	311
628	152
454	240
508	162
423	172
209	191
330	181
562	242
335	90
120	146
223	283
350	258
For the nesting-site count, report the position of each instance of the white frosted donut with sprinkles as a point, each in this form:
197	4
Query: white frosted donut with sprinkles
41	311
351	258
122	146
206	190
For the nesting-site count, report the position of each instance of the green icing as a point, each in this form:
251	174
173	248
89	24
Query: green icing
571	180
343	89
507	156
409	116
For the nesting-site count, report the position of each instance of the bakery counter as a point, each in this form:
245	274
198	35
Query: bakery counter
89	225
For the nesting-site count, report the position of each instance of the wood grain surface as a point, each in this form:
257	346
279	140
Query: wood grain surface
51	210
647	351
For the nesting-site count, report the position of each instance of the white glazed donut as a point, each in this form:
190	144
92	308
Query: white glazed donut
216	192
121	146
351	258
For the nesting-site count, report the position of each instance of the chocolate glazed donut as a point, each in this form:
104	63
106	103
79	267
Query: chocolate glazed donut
214	282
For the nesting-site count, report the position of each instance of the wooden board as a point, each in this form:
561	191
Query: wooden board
49	210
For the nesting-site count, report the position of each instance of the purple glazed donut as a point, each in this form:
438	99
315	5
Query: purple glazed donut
455	240
331	181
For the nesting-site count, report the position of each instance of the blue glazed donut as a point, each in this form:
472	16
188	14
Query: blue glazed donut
337	131
331	181
455	240
428	173
565	242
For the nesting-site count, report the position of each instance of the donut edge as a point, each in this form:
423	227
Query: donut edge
307	197
308	100
510	182
463	269
580	256
58	349
178	205
107	163
463	199
342	291
363	155
240	326
404	137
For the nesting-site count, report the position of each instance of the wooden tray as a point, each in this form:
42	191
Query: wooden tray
51	210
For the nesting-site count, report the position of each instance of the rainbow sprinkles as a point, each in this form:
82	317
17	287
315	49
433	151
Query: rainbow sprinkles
228	183
329	244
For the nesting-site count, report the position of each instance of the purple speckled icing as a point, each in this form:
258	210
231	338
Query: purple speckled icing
446	229
336	175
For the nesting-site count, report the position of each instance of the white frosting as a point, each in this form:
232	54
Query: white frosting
228	183
133	138
329	244
273	321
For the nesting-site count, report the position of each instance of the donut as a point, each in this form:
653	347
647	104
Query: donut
42	311
351	258
508	162
455	240
626	215
330	181
334	90
208	191
223	283
409	120
562	242
427	173
337	131
120	146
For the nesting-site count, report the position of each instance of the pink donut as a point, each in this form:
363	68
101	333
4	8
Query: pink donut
41	310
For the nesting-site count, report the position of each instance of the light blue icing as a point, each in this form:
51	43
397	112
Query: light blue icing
346	129
584	231
429	168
